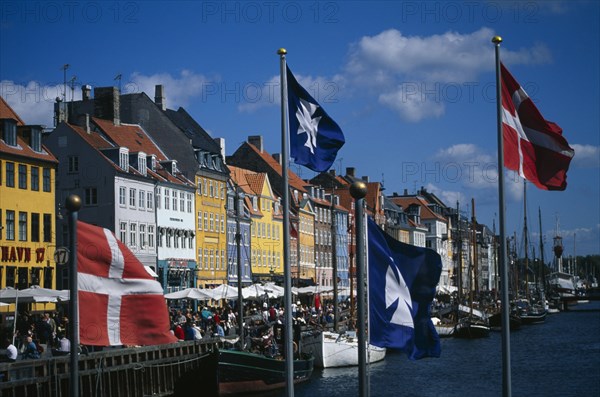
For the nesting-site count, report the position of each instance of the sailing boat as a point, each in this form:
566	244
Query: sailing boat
530	313
560	283
241	371
337	348
475	324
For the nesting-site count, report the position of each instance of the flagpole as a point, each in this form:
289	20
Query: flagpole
73	204
506	378
287	297
358	190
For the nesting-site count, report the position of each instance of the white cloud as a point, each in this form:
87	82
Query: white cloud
586	156
392	65
34	101
178	90
475	171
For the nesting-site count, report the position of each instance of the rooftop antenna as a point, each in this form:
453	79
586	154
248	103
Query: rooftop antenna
118	77
72	81
64	68
382	181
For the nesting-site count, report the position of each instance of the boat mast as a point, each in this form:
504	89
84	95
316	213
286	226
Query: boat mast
475	251
542	270
525	239
472	280
334	262
459	261
238	238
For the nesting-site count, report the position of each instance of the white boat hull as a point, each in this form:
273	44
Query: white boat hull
331	349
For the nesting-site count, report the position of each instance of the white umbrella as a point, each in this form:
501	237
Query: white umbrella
315	289
189	293
223	291
33	294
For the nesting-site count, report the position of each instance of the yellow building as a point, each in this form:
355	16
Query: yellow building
211	226
27	206
266	228
307	270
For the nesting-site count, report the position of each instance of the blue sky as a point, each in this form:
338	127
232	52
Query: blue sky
410	83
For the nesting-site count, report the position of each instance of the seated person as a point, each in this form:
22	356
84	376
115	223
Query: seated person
11	351
64	347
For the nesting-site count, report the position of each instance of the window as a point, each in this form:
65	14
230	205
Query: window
10	225
167	199
211	189
91	196
123	232
132	235
158	197
122	195
124	158
212	223
222	223
35	178
36	139
150	201
35	227
22	226
189	203
10	174
47	228
206	221
205	187
151	236
142	236
199	187
73	164
131	197
46	176
175	201
176	239
199	220
181	201
22	176
142	200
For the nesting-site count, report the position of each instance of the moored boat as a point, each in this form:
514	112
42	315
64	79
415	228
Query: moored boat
241	372
333	349
471	328
444	328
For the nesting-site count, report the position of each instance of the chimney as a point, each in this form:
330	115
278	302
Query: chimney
406	192
60	111
86	123
86	92
332	172
365	179
257	141
277	157
159	97
221	143
107	105
350	171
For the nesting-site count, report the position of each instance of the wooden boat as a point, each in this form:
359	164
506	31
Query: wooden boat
333	349
445	329
241	372
495	321
471	328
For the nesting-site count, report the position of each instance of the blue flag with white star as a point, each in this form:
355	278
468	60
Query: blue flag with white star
402	282
314	137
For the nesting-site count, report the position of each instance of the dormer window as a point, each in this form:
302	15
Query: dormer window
152	163
142	166
124	158
9	132
36	139
255	203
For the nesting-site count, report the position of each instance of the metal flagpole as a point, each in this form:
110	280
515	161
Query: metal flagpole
358	190
73	204
506	382
287	297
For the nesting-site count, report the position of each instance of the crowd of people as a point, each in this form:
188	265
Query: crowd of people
35	335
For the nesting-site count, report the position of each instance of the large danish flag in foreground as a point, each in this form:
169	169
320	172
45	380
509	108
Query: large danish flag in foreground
533	146
119	302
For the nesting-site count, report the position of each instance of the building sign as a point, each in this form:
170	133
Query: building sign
21	254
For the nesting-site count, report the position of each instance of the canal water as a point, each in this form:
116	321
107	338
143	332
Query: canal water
558	358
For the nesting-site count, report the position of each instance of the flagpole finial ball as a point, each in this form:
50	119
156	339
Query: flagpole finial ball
282	51
496	39
73	203
358	190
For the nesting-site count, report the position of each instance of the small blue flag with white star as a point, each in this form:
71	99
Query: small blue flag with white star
314	137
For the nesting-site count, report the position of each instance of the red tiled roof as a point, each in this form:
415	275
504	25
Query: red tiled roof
22	149
130	136
426	212
6	112
294	180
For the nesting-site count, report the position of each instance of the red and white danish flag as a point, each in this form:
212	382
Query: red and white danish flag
119	302
533	146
